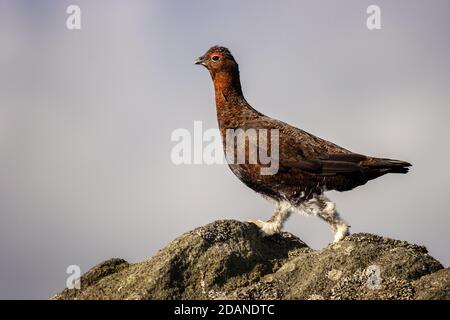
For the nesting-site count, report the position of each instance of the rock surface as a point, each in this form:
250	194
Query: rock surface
228	259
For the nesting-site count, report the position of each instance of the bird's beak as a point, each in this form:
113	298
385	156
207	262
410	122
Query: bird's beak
200	61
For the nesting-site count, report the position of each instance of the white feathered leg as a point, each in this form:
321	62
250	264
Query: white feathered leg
275	223
330	215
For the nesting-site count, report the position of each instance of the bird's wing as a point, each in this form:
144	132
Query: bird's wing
301	150
304	151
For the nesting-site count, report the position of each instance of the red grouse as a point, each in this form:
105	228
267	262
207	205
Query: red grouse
307	165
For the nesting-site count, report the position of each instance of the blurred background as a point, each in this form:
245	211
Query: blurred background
86	118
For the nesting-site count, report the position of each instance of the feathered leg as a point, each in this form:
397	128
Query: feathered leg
329	214
275	223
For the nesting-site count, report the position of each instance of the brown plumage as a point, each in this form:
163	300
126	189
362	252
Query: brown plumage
308	165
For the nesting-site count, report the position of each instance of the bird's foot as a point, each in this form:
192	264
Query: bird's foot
340	232
266	228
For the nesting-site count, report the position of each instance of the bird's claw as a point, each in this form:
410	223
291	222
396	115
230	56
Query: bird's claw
265	229
341	232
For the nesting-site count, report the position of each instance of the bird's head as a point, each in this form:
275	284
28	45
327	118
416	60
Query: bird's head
218	59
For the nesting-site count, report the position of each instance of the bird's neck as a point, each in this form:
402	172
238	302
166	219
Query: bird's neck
230	101
227	84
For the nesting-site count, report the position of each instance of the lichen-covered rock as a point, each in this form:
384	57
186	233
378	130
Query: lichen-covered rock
435	286
362	266
206	263
228	259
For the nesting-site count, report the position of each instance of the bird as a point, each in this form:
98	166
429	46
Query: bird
308	166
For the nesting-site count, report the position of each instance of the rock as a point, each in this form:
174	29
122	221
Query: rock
435	286
228	259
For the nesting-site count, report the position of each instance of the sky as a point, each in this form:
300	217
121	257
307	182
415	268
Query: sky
86	118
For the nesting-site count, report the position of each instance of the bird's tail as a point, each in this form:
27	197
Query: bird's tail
384	166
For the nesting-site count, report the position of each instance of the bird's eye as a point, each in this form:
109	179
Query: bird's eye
215	58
